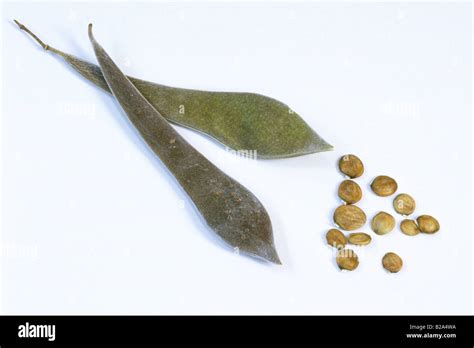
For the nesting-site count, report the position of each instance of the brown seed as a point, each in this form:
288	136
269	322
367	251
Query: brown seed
392	262
349	191
382	223
359	238
428	224
384	186
347	259
336	238
349	217
351	165
409	227
404	204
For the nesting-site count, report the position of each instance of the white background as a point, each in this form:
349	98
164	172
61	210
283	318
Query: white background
93	223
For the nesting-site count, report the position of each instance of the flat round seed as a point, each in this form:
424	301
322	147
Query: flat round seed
392	262
351	165
404	204
428	224
384	186
347	259
349	191
336	238
359	238
409	227
382	223
349	217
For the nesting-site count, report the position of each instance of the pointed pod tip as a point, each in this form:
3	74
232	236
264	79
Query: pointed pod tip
263	251
270	254
277	262
321	146
327	147
274	259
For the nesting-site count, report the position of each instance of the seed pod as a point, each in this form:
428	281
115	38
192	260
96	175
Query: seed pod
359	238
384	186
237	120
383	223
409	227
349	217
428	224
349	191
347	259
229	209
392	262
404	204
351	165
336	238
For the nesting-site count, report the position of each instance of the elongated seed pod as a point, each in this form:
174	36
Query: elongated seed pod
250	123
229	209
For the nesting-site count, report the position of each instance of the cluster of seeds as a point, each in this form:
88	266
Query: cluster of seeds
350	217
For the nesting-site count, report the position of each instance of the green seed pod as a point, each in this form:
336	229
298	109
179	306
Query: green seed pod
251	124
384	186
428	224
404	204
351	165
349	191
229	209
383	223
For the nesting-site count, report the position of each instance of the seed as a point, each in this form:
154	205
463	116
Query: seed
349	217
383	223
349	191
251	232
220	115
384	186
347	259
359	238
409	227
392	262
404	204
336	238
351	165
428	224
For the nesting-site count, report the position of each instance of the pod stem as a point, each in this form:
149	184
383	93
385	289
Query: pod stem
46	47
